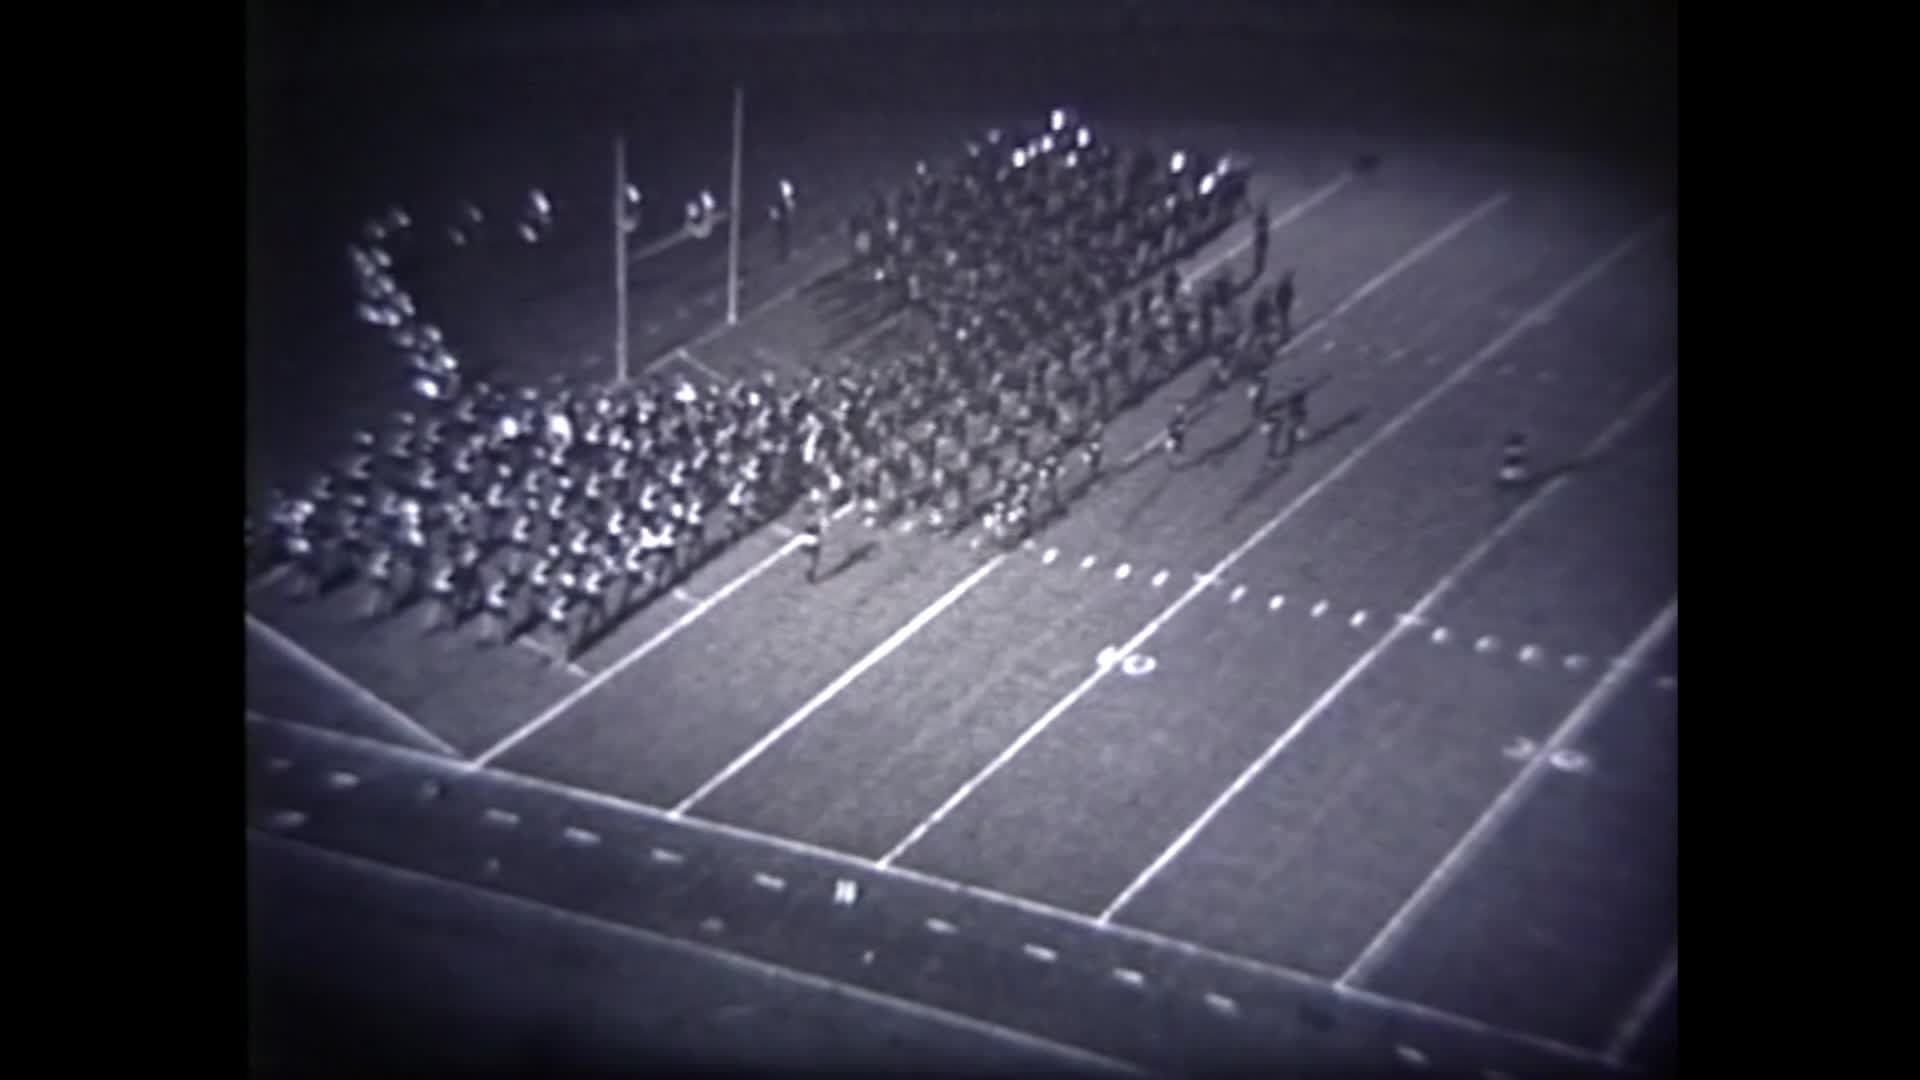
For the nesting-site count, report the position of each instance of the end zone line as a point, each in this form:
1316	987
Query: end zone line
557	709
1294	212
1414	617
402	723
686	947
715	331
1583	713
681	354
832	689
668	242
1643	1009
616	804
1220	568
869	333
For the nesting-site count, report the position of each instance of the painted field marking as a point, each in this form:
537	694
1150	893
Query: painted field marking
1291	215
1583	713
1440	589
1188	950
1227	562
640	652
1374	284
760	969
400	722
831	690
1648	1003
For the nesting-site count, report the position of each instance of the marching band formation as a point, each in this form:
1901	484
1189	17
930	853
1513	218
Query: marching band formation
1037	273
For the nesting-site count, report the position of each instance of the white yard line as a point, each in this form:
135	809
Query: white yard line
1589	707
681	354
881	652
746	316
869	333
559	708
669	242
1628	1034
1414	617
1204	581
1292	214
1078	1056
551	657
1373	285
1147	938
400	722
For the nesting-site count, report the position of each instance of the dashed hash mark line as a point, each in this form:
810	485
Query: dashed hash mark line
1530	655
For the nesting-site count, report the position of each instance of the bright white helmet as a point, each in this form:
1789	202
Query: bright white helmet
1083	138
786	190
529	233
1020	158
706	201
1046	144
538	200
1207	182
633	195
1178	163
1058	120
